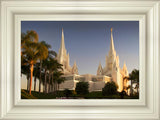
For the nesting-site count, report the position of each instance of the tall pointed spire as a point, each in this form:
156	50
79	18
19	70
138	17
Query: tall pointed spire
125	69
112	43
100	70
124	65
62	47
62	50
74	68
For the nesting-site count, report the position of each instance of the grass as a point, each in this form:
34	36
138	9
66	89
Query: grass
36	95
73	95
25	95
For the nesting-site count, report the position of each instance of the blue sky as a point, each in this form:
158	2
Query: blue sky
88	42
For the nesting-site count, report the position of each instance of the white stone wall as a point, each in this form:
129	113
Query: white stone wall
98	85
93	85
68	84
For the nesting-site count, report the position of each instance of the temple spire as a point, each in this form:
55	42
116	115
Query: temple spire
74	68
124	65
62	50
99	71
62	47
112	43
74	65
125	69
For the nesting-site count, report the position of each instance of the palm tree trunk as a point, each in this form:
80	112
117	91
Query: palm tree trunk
49	82
35	80
40	76
31	70
50	88
47	88
45	81
43	87
54	86
28	79
52	81
58	87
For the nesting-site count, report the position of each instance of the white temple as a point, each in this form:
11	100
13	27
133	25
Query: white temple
110	72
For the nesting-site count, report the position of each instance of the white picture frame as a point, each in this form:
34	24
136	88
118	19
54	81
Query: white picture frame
147	12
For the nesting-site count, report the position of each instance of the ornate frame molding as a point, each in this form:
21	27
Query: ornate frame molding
145	11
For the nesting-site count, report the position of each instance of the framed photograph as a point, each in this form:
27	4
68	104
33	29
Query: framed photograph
79	60
51	72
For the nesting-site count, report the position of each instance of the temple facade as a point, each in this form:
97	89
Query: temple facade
110	72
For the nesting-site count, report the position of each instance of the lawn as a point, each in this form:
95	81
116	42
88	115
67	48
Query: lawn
73	95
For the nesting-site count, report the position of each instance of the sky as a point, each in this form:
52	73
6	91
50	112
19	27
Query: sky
88	42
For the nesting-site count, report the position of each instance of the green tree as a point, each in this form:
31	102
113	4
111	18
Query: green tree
58	79
67	92
46	66
29	36
26	71
134	78
52	70
110	88
36	74
43	57
82	88
32	51
26	38
57	72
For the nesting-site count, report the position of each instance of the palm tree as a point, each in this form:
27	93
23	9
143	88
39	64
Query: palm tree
133	77
51	54
45	65
136	78
36	72
25	70
33	52
54	67
26	38
29	36
58	78
44	47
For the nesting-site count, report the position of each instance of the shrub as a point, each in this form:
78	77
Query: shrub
67	93
110	89
122	94
82	88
